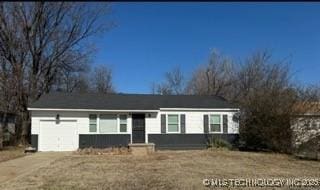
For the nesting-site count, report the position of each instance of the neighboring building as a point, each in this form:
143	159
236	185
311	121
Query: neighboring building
66	122
305	127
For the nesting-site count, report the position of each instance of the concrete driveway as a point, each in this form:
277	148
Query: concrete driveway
20	167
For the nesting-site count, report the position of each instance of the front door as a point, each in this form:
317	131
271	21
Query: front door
138	128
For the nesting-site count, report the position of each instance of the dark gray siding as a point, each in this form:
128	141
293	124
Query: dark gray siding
205	124
34	141
225	123
103	140
188	141
163	123
162	141
183	123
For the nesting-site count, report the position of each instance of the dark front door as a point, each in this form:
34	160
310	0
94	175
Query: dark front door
138	128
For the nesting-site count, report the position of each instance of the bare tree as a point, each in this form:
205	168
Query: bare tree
174	83
102	79
164	89
41	40
7	96
266	94
215	78
75	80
83	84
1	136
175	80
264	90
99	79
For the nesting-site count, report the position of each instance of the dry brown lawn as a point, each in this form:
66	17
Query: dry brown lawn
9	153
162	170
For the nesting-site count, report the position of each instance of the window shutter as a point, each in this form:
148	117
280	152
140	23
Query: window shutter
225	123
205	124
183	123
163	123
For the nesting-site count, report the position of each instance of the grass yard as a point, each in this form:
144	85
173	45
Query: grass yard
162	170
9	153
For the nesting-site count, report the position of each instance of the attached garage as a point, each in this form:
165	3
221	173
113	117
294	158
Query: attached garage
58	136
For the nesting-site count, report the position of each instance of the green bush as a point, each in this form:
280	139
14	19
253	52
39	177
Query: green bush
219	143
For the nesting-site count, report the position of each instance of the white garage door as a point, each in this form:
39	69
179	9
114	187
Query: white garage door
60	136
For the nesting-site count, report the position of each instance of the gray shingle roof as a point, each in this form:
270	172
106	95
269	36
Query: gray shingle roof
127	101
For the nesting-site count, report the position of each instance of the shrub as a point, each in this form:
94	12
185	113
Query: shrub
104	151
219	143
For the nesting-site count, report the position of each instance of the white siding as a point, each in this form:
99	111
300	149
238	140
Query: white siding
233	126
82	119
153	123
194	121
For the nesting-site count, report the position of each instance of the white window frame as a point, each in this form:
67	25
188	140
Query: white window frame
117	119
167	123
97	124
221	125
119	123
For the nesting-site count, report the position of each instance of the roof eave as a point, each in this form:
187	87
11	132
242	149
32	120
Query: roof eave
199	109
102	110
135	110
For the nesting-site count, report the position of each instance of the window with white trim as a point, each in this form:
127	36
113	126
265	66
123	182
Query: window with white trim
92	123
173	123
215	123
123	123
108	123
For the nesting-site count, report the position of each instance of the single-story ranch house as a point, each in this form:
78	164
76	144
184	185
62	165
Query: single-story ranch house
68	121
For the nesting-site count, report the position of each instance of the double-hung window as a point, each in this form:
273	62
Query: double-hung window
123	123
108	123
215	123
173	123
92	123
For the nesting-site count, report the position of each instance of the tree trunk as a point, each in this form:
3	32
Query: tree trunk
1	136
25	128
2	124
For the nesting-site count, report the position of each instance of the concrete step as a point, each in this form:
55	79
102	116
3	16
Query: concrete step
142	148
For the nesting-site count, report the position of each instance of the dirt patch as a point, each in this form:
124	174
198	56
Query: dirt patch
18	168
9	153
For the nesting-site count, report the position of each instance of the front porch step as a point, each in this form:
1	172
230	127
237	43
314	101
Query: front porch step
142	148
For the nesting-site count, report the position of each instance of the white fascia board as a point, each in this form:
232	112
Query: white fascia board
199	109
161	109
89	110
